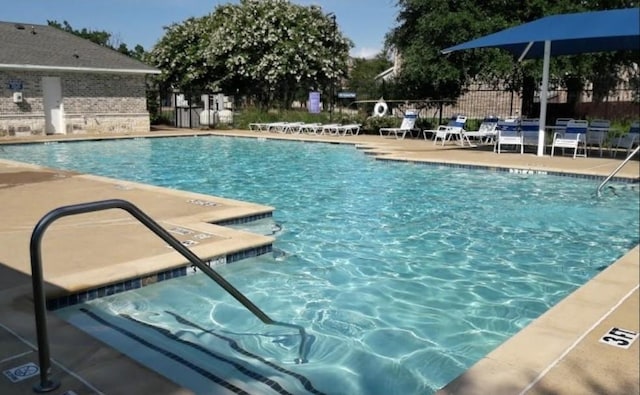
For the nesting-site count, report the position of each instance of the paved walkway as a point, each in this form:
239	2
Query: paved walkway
562	352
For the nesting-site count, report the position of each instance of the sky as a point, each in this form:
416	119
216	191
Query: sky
135	22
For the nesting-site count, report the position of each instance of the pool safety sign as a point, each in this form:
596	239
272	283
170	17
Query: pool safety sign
618	337
22	372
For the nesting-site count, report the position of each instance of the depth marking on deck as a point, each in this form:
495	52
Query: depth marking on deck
618	337
577	341
22	372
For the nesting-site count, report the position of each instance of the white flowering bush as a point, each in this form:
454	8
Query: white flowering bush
179	55
270	50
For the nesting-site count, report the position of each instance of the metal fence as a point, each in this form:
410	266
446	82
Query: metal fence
476	103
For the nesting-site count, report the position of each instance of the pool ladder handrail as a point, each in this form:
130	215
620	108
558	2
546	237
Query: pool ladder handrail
614	172
47	384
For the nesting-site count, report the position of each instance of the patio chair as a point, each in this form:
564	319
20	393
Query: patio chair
310	128
574	136
509	134
292	127
259	126
278	127
407	126
529	130
329	128
486	131
453	129
562	122
597	133
351	128
631	139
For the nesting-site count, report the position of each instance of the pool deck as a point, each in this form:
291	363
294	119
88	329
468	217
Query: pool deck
561	352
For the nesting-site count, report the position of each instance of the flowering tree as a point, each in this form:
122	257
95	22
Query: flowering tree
180	56
270	50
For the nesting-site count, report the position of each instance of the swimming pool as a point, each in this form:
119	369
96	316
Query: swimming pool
405	274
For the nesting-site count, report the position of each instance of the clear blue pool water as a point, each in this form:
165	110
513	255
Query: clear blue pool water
404	274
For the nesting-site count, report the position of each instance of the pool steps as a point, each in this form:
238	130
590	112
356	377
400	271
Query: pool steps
47	384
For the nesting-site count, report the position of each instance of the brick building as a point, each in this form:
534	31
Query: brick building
53	82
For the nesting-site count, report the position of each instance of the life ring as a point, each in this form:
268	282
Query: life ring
380	109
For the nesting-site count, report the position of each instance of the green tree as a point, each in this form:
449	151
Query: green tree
362	76
270	50
180	55
100	37
425	27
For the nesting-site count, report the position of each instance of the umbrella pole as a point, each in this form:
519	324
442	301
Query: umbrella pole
543	97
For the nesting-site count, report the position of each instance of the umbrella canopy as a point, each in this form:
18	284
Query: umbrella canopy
565	34
571	34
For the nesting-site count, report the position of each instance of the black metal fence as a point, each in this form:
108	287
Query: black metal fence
477	103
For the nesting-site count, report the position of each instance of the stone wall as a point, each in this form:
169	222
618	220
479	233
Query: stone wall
93	103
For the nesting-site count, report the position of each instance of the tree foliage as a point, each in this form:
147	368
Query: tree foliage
102	38
363	73
270	50
180	56
425	27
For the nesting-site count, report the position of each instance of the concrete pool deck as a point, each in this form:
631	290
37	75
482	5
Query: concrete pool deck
561	352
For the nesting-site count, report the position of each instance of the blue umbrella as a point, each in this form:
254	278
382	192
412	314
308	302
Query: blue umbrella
565	34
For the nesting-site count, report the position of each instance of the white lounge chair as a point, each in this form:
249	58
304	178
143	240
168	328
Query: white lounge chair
486	131
452	130
350	128
631	139
293	127
276	127
509	134
529	130
259	126
310	128
597	133
329	128
562	122
407	126
574	137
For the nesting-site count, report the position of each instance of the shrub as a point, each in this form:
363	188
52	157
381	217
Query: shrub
373	124
163	118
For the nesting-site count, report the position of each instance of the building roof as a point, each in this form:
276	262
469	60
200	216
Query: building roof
387	74
39	47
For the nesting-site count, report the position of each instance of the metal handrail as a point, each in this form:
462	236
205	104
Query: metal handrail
617	169
46	384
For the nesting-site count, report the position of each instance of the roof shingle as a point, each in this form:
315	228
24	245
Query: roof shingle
24	45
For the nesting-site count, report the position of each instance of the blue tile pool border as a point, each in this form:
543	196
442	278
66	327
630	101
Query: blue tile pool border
511	170
243	220
148	279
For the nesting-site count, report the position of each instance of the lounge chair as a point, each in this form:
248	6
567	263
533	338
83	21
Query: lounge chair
259	126
631	139
276	127
407	126
529	130
310	128
453	129
486	131
561	123
292	127
350	128
509	134
597	133
329	128
574	137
